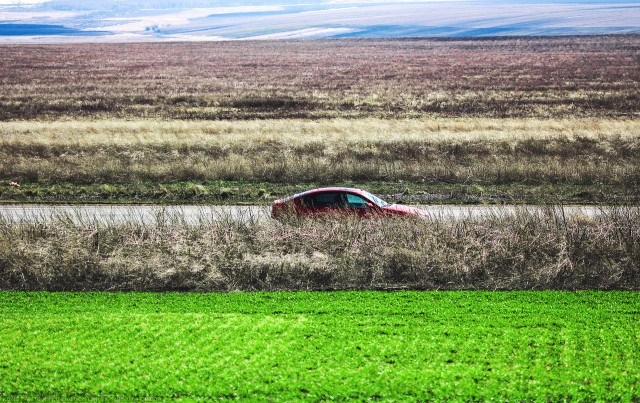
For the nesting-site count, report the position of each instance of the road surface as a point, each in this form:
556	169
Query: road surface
190	214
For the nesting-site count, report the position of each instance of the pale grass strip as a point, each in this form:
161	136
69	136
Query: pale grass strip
88	133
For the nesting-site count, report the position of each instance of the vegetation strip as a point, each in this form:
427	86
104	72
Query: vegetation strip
263	193
414	160
317	346
512	250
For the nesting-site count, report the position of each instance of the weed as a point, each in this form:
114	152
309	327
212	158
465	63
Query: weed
115	156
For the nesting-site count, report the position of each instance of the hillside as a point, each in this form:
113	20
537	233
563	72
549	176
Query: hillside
195	20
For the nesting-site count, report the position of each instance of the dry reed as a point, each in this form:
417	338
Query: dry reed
511	251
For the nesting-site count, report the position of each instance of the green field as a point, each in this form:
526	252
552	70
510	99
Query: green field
321	346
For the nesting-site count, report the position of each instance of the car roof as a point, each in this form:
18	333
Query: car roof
334	189
323	190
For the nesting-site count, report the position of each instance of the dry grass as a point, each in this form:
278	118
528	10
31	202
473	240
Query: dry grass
178	133
464	151
524	77
525	250
531	112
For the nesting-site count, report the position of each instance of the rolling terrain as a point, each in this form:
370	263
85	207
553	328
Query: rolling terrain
64	21
590	76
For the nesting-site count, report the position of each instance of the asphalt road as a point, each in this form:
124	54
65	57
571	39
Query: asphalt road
193	214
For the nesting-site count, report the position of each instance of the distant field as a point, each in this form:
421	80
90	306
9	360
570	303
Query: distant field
523	77
320	346
498	120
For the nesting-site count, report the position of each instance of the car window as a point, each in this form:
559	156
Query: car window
334	199
356	201
376	199
326	199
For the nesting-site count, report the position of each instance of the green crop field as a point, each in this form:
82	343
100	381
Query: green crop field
321	346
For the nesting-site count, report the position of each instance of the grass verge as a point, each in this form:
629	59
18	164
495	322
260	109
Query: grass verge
509	250
243	193
320	346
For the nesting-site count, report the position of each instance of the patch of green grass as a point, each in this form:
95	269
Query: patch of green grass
321	346
242	192
206	192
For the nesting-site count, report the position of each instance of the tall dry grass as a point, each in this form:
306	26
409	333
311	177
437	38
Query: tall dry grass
469	151
530	249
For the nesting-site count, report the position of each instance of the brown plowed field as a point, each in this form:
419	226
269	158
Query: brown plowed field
594	76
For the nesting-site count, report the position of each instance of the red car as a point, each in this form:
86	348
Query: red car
340	201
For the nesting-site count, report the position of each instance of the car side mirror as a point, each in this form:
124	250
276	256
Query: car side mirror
369	205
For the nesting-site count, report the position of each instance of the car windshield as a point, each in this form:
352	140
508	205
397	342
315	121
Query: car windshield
375	199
